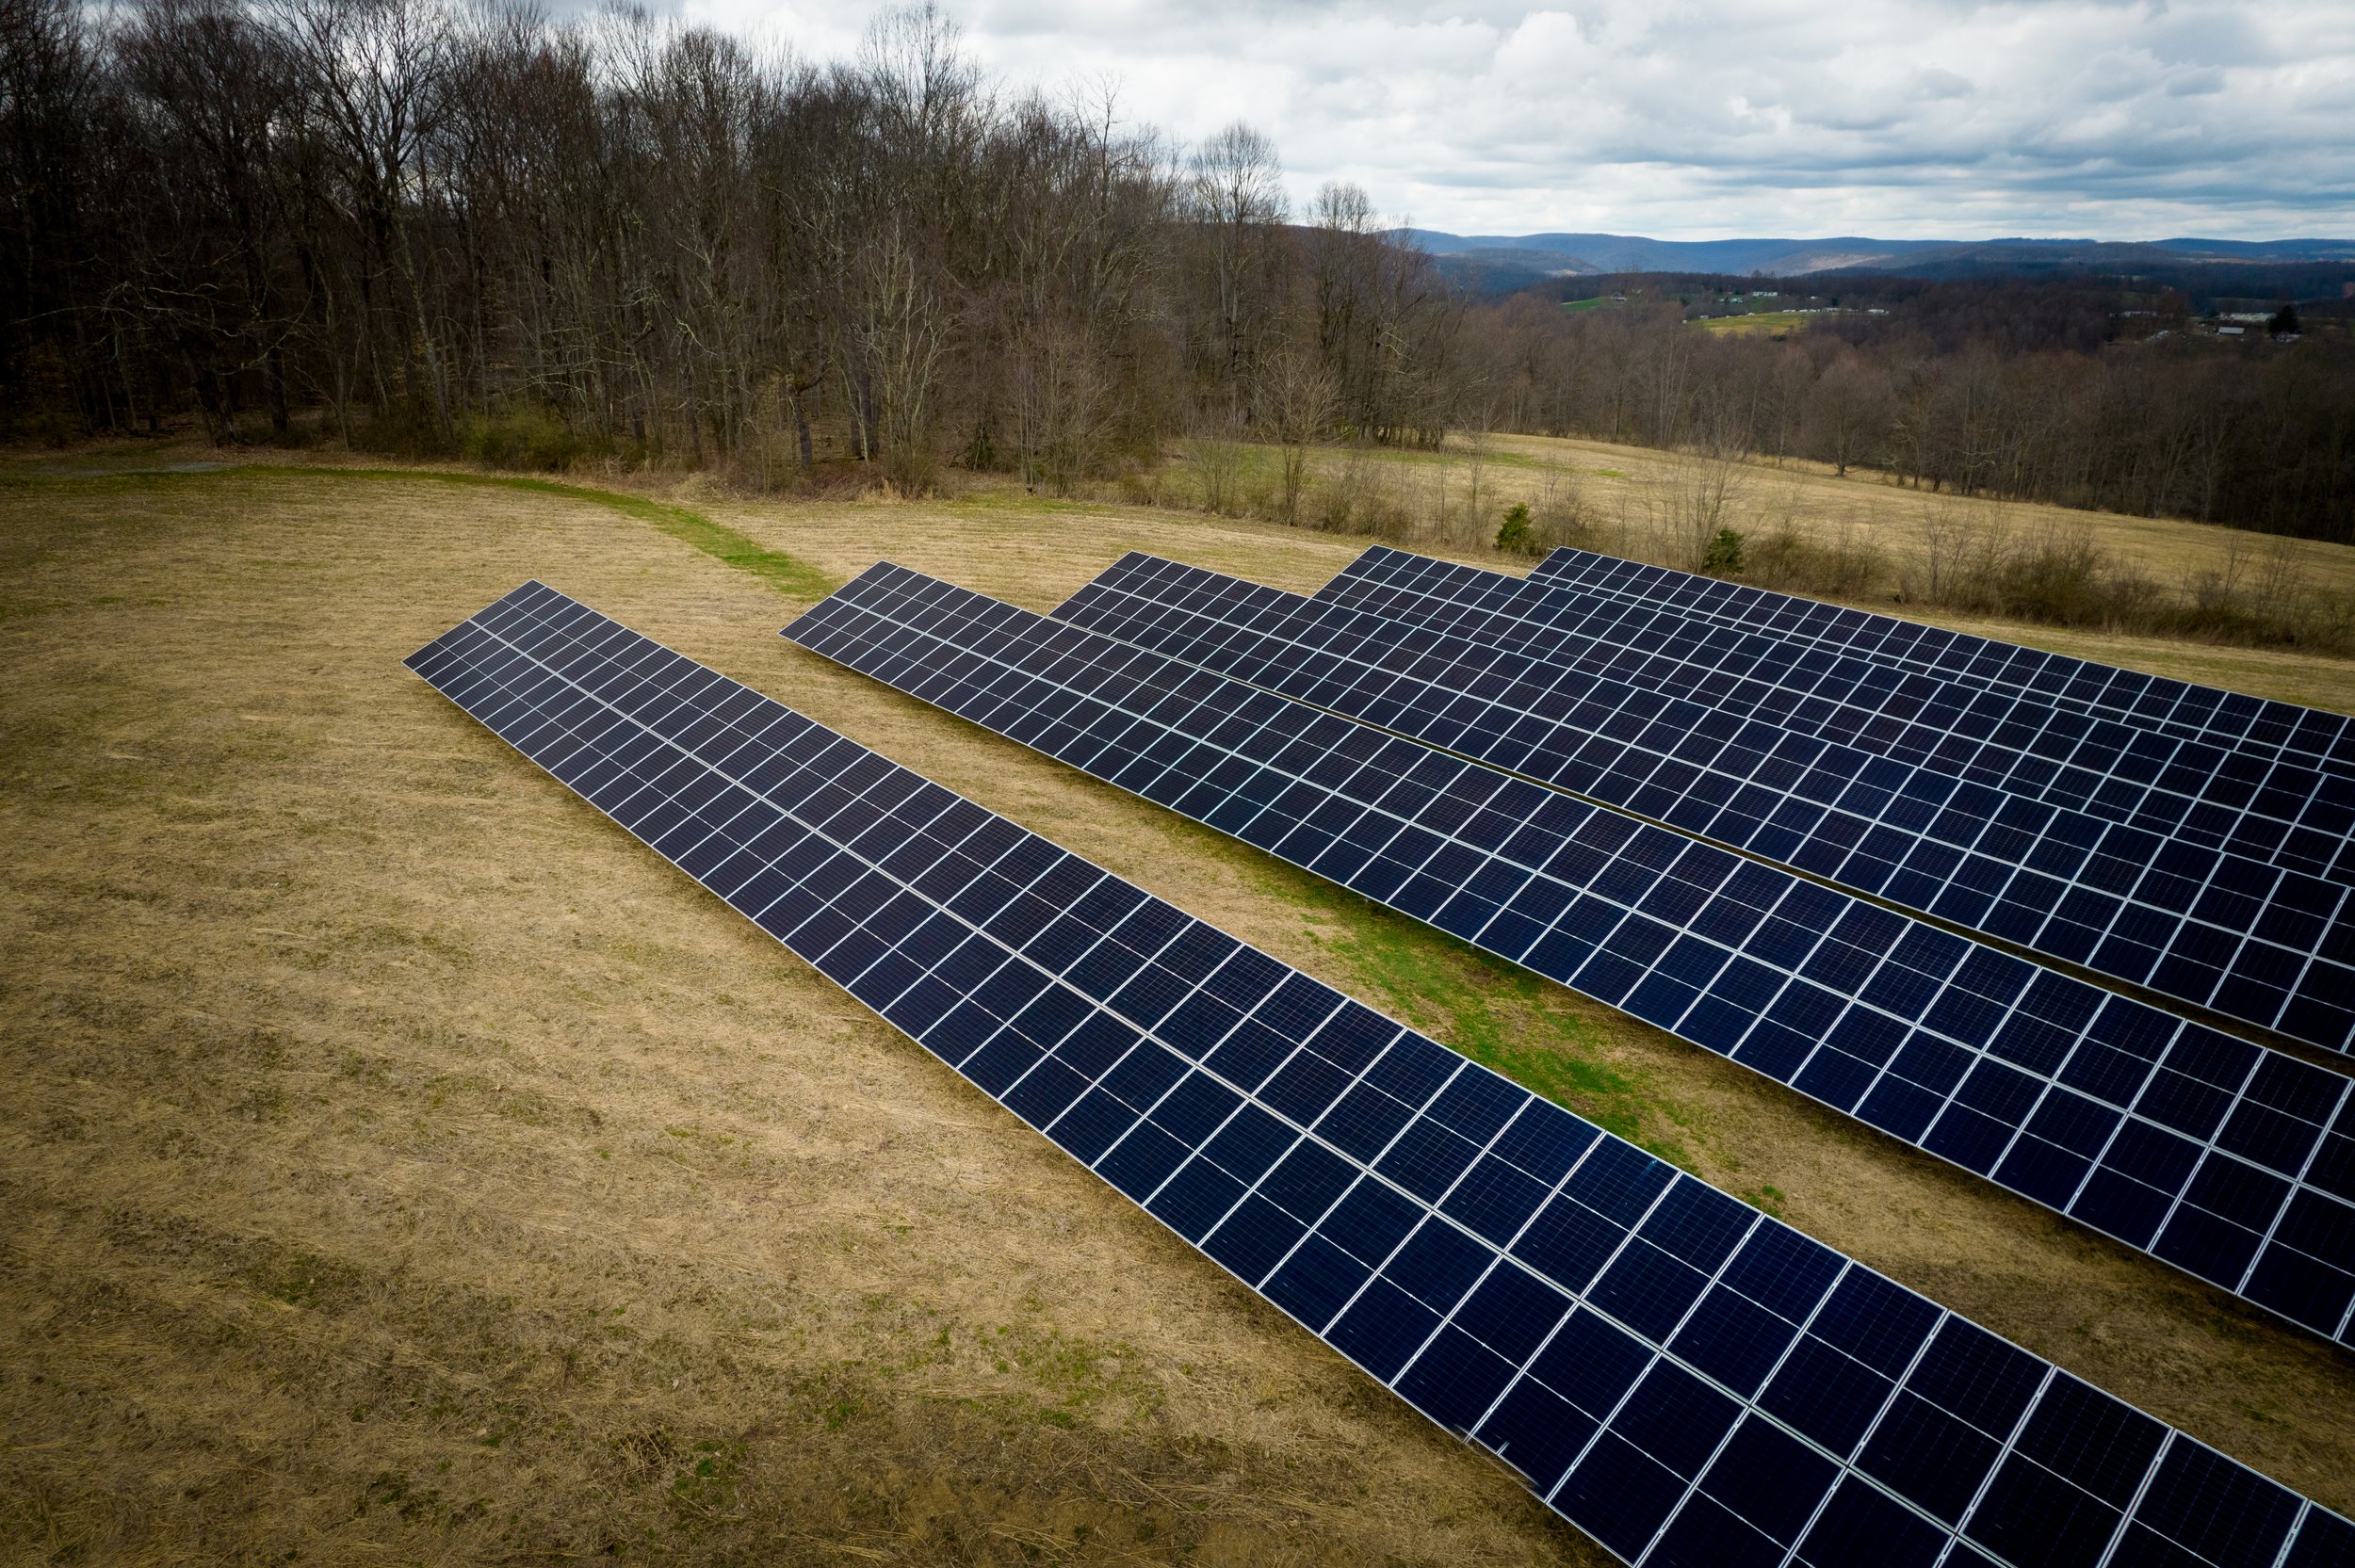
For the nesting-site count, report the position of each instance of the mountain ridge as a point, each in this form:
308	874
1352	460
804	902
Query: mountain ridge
1555	254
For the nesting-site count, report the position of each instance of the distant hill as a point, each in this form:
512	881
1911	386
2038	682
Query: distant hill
1501	262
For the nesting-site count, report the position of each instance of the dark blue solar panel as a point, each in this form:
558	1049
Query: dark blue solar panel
2160	1132
2247	786
2275	730
2117	900
894	888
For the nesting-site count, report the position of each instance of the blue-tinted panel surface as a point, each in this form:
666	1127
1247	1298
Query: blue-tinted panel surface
2196	1146
2256	727
2111	888
899	890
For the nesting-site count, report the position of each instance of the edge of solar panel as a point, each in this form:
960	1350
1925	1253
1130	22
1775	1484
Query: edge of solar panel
1447	593
1733	1480
2327	739
2311	1282
2263	929
2270	805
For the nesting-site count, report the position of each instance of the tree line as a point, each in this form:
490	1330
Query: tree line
2046	392
416	226
446	229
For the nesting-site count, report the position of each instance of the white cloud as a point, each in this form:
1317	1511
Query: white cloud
1688	119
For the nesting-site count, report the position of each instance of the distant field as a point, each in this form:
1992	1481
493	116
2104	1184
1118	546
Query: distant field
1636	500
1760	321
404	1165
1630	487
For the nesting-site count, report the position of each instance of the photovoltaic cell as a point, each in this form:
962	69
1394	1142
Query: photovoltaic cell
2262	802
2232	1162
2214	929
2228	719
1684	1379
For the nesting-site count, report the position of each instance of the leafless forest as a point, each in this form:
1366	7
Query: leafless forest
412	227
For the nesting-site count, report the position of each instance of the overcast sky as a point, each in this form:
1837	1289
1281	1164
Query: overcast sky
1716	117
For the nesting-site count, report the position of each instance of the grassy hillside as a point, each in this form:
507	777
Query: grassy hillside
405	1165
1858	539
1809	499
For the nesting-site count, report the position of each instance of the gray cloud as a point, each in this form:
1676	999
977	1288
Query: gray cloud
1693	117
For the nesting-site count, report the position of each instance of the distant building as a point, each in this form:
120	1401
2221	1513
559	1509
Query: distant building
2230	331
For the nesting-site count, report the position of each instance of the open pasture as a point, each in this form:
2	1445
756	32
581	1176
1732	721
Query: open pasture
1756	321
403	1164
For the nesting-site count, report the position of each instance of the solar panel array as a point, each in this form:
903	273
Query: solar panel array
2273	948
2231	1161
1686	1380
2228	719
2263	804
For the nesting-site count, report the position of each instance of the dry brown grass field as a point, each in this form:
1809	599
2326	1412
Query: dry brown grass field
1862	537
1809	499
402	1165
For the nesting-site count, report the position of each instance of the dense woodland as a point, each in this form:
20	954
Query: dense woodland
410	226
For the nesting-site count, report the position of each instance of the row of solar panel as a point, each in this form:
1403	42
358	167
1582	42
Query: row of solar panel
2271	809
2234	1162
2229	718
2273	948
1687	1381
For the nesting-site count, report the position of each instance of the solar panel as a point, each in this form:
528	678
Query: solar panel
2227	719
1684	1379
2263	806
1650	609
2205	1150
2218	931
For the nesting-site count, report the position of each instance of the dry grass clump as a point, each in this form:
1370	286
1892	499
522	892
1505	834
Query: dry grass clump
402	1163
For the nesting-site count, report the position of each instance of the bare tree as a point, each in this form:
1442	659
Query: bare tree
1849	414
1235	200
1301	395
371	73
218	87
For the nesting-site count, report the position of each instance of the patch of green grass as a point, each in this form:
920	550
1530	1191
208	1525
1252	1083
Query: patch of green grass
1454	456
704	1487
1758	321
789	575
1500	1015
1597	302
1005	498
1259	462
